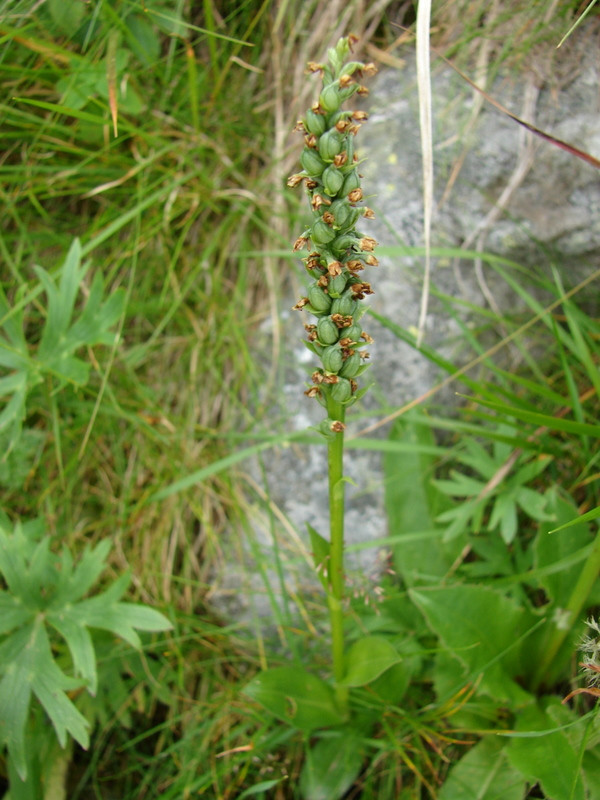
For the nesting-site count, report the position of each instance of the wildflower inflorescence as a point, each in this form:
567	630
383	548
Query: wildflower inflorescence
337	251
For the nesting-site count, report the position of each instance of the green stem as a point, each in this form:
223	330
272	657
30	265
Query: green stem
583	587
335	457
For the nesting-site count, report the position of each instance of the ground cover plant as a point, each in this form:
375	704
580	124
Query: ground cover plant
140	229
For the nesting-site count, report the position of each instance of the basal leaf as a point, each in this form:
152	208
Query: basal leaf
484	773
549	548
548	759
296	697
480	627
367	659
331	767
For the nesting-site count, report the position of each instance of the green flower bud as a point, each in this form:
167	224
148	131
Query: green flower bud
317	298
321	233
344	305
354	332
350	366
351	182
342	390
312	162
314	123
345	215
329	99
330	144
327	331
337	284
332	358
333	180
342	243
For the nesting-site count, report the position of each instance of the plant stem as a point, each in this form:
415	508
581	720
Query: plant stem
335	457
583	587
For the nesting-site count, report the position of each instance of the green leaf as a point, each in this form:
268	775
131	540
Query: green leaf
296	697
550	548
548	759
480	627
13	613
33	669
259	788
591	774
320	553
590	515
331	767
484	773
143	39
412	501
504	514
367	659
67	14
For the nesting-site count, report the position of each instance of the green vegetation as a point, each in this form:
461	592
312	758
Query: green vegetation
144	240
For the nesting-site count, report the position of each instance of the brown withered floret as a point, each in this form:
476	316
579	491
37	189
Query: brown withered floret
360	116
310	184
337	426
300	243
356	195
300	304
318	200
340	159
311	330
368	213
323	282
328	218
314	391
341	125
362	91
312	66
346	80
371	260
299	127
368	339
294	180
367	243
310	140
334	268
355	266
359	290
342	320
364	354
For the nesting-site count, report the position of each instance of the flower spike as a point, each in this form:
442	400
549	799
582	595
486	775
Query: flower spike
339	251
